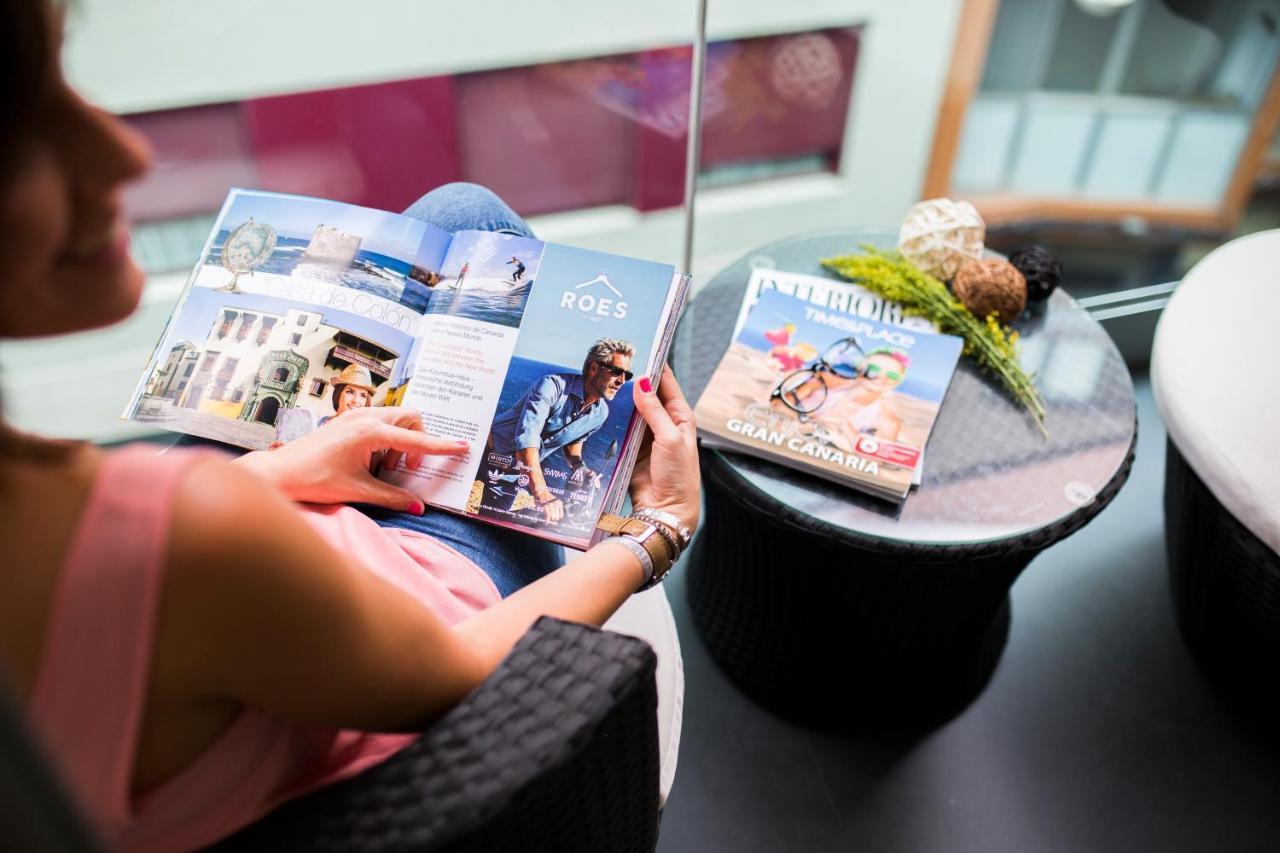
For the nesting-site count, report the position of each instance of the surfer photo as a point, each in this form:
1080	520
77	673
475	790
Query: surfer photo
519	269
490	276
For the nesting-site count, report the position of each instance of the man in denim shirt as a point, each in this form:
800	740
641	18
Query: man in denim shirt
560	412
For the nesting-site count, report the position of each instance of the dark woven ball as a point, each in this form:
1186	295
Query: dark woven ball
991	286
1042	271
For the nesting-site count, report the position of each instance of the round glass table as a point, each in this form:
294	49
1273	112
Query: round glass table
838	608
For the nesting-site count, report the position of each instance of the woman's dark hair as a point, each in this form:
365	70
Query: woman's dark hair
26	66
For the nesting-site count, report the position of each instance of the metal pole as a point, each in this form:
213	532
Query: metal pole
694	148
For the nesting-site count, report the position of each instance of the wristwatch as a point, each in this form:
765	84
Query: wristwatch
656	544
677	531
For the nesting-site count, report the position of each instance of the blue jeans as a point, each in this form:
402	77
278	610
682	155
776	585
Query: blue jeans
511	559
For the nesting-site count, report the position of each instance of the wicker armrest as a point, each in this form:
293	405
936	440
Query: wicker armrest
556	751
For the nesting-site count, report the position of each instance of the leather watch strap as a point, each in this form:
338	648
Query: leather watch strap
611	523
647	534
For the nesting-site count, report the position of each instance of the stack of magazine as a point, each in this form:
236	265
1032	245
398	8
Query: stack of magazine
301	310
829	378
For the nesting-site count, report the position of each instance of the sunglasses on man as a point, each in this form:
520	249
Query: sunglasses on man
616	371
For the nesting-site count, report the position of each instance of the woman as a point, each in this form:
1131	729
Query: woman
192	642
865	405
352	389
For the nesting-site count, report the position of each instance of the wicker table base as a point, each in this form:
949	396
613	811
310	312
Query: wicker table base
834	635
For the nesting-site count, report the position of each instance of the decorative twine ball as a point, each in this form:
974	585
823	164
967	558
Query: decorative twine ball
991	286
940	235
1042	271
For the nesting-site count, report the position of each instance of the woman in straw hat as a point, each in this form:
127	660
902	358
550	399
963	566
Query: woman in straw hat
352	389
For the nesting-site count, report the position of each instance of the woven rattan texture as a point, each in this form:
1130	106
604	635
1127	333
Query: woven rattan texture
557	751
835	635
1226	587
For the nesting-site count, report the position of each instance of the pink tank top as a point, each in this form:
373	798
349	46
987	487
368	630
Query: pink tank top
90	691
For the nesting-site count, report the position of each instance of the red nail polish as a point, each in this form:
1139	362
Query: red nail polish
645	385
416	508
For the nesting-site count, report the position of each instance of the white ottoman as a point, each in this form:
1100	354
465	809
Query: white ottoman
1213	371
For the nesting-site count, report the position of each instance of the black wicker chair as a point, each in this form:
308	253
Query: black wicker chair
1226	587
1221	492
557	751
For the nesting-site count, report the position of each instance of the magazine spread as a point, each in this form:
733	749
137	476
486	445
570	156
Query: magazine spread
301	309
830	392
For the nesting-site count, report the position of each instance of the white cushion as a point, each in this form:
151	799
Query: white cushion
1214	374
647	615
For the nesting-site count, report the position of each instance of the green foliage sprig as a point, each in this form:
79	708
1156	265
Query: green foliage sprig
993	347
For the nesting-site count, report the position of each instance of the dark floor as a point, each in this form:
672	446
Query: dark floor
1097	732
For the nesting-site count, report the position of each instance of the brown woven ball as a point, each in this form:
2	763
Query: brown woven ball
991	286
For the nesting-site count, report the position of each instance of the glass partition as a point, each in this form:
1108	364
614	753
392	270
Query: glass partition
576	112
1151	104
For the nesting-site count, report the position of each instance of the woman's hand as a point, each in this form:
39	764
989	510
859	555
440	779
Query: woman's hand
336	462
666	474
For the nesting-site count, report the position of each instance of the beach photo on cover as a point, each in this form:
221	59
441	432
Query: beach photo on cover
255	371
291	246
487	276
566	404
793	375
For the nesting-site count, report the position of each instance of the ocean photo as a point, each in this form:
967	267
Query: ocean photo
488	300
369	272
487	276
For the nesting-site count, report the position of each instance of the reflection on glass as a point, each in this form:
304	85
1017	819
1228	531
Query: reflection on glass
1150	104
557	136
1016	46
1079	50
1222	56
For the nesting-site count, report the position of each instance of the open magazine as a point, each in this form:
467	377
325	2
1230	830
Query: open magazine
811	382
301	309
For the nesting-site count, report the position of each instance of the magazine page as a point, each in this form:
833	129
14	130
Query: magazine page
537	376
298	310
463	349
842	296
846	398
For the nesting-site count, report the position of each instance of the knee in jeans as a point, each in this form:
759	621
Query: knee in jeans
462	205
463	192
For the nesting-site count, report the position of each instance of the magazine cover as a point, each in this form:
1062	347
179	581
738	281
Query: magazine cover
847	398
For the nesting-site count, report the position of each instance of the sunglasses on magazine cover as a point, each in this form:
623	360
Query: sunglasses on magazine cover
840	359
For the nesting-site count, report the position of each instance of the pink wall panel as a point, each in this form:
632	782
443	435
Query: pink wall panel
198	154
380	145
552	137
537	138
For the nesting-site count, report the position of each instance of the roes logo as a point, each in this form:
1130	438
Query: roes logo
596	303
